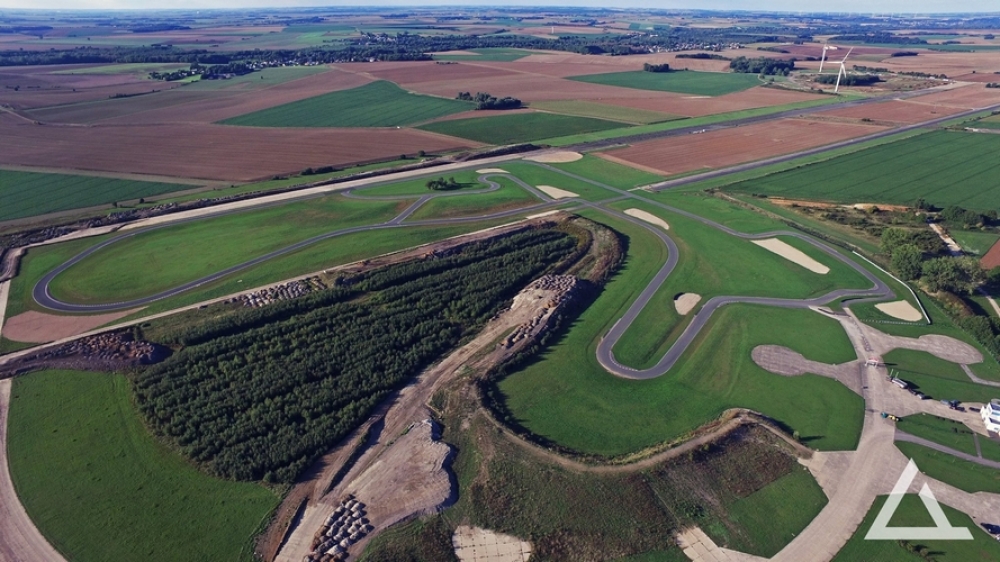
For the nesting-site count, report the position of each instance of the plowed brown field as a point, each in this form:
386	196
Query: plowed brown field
39	87
967	97
201	106
205	151
895	111
737	145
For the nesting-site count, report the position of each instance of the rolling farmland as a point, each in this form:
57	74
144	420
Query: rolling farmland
519	127
28	194
605	111
681	82
379	104
943	167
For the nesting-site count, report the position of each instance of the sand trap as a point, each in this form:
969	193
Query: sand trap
901	309
555	192
492	171
792	254
648	217
556	157
38	327
473	544
685	303
545	214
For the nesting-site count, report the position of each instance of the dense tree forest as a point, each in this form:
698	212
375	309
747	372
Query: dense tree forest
850	79
262	393
656	67
762	65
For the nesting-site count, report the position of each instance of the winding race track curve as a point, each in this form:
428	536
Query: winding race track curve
605	355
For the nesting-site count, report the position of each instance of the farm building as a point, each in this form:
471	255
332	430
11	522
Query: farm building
991	415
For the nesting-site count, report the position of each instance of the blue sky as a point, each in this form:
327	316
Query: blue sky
862	6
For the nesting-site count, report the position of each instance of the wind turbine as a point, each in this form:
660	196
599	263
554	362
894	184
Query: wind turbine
826	48
843	71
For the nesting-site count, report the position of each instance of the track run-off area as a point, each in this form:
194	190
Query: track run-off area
878	290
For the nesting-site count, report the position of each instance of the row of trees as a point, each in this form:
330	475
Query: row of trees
260	394
762	65
656	67
849	80
441	184
485	101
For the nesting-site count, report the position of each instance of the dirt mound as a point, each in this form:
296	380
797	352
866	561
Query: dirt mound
38	327
556	157
104	352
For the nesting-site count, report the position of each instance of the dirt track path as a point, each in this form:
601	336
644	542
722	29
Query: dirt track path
20	540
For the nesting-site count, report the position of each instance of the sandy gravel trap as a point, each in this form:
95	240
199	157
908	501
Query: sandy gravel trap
792	254
648	217
902	310
473	544
686	302
555	192
556	157
492	171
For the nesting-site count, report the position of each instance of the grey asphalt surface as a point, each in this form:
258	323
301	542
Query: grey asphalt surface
909	438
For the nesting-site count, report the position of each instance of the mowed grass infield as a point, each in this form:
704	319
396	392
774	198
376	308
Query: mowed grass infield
379	104
28	194
616	416
681	81
912	513
596	110
100	488
943	167
519	127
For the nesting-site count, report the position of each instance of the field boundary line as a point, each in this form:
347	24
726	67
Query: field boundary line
920	304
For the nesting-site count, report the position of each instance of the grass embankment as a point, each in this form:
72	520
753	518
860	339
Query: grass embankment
937	378
100	488
974	241
680	81
614	416
950	433
29	194
154	261
944	167
912	513
597	110
713	263
467	180
518	127
378	104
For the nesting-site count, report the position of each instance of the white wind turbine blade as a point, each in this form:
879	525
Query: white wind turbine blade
823	58
840	74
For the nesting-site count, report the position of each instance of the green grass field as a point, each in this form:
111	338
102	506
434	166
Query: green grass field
912	513
943	431
974	241
937	378
28	194
713	263
992	122
127	68
488	54
153	261
608	173
682	82
379	104
509	196
614	416
518	127
604	111
100	488
961	474
943	167
468	179
533	174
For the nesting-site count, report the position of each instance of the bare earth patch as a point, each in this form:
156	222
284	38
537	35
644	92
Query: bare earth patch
648	217
555	192
900	309
556	157
473	544
38	327
792	254
686	302
492	171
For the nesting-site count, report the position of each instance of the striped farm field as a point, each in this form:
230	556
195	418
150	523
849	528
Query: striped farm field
519	127
379	104
681	82
581	108
28	194
943	167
